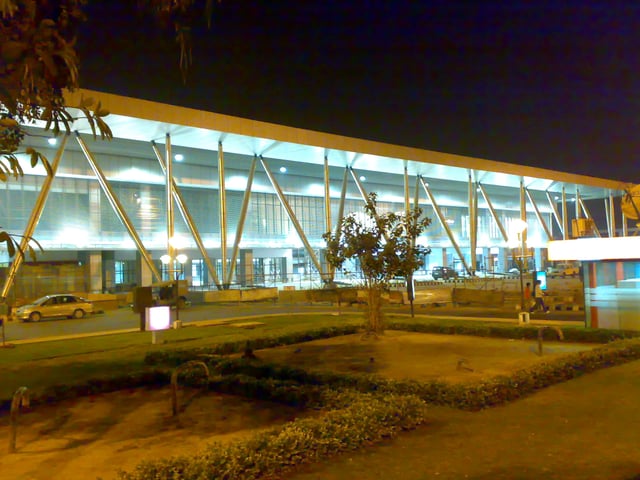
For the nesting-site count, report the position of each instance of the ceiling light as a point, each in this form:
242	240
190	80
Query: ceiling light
283	169
363	178
178	157
52	141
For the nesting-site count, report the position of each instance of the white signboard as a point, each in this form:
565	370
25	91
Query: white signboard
158	318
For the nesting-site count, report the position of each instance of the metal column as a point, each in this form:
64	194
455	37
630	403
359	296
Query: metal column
222	194
327	210
36	212
612	214
473	224
292	217
188	219
241	220
327	196
538	214
169	190
407	202
443	222
565	216
117	207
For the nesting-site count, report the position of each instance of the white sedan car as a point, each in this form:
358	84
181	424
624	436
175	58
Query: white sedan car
70	306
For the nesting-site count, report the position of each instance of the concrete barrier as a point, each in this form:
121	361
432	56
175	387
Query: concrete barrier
468	296
253	295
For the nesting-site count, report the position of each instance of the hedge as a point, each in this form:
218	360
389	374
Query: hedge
475	396
367	419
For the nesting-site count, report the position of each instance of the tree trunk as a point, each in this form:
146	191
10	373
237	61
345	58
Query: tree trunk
411	294
374	311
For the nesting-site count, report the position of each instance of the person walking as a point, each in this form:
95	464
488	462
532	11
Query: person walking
527	297
538	296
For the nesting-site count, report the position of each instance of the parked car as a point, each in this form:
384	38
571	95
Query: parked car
563	270
444	273
63	305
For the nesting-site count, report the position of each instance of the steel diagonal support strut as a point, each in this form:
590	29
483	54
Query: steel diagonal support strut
365	198
587	214
343	196
444	224
117	207
292	217
556	214
188	219
538	214
36	213
243	216
493	212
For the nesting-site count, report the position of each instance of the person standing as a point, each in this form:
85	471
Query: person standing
538	296
527	297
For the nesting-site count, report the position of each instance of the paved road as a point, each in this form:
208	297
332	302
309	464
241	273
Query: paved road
125	319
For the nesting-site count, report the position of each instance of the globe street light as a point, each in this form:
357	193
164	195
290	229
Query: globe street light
175	264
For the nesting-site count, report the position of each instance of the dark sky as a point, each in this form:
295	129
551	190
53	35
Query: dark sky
551	84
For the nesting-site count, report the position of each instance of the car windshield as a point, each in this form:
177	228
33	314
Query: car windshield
40	301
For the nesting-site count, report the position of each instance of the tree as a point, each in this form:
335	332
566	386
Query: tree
384	246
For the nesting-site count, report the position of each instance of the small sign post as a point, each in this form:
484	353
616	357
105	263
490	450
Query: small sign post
5	311
157	318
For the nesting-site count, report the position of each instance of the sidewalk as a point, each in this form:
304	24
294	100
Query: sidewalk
580	429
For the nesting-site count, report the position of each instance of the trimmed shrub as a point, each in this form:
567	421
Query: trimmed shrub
57	393
367	419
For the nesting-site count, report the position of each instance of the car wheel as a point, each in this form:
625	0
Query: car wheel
79	313
35	317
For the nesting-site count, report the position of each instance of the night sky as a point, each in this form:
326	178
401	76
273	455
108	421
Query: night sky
549	84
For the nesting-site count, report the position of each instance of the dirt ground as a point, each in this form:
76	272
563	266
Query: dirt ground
96	436
418	356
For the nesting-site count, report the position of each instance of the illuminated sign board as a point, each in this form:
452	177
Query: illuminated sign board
158	318
589	249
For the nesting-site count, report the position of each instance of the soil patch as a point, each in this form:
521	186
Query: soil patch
96	436
418	356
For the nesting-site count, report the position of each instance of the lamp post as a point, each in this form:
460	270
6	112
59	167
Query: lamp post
174	261
518	228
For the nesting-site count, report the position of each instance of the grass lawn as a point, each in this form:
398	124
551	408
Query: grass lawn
583	428
39	365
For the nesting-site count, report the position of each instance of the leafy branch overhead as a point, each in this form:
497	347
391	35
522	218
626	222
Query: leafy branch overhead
38	62
13	247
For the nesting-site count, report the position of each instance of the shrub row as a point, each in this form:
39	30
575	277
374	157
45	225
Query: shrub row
56	393
475	396
571	334
367	419
176	357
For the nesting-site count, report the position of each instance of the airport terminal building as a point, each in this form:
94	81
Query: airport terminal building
246	203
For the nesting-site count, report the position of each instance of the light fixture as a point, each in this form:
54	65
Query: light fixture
363	178
178	157
283	169
52	141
